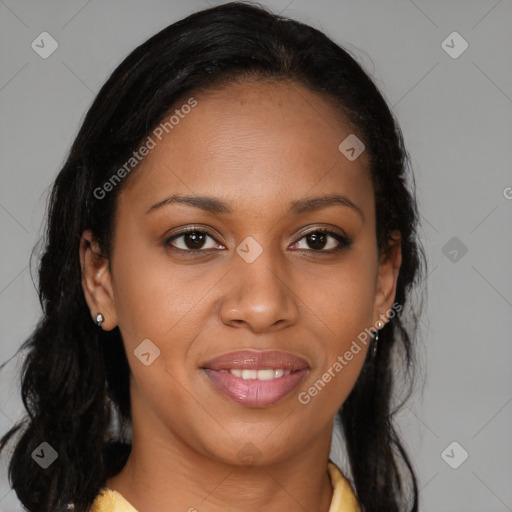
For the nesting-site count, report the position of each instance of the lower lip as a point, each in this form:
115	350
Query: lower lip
253	392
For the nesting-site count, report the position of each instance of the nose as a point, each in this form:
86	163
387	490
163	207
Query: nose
262	295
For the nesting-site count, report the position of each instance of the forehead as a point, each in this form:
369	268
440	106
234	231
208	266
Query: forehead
253	139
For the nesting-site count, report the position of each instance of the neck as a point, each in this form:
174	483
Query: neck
164	471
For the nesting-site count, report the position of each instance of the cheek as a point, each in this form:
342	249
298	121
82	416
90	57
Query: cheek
152	296
345	307
343	295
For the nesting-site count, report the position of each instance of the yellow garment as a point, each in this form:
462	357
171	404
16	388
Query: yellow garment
343	498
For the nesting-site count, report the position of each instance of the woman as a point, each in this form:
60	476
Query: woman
231	244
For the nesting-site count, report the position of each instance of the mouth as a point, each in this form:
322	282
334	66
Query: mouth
255	378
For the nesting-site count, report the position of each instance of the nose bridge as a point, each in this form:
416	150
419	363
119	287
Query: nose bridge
260	296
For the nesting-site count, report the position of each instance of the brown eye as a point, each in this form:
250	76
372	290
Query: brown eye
319	241
191	240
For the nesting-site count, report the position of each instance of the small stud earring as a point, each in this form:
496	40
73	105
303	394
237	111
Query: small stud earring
99	319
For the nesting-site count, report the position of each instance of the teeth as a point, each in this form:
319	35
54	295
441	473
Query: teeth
267	374
249	374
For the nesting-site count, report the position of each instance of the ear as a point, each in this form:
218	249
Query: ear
387	277
96	281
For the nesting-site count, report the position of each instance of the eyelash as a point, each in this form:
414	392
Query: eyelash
343	241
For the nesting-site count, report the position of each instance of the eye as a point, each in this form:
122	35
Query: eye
193	239
318	240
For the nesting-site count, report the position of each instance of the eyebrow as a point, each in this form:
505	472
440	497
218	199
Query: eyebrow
297	207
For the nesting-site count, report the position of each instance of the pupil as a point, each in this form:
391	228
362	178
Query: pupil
196	238
317	240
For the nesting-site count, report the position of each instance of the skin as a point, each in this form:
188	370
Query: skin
257	145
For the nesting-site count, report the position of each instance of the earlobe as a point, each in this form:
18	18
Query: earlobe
389	268
96	282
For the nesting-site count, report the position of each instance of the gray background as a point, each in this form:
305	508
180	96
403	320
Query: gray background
456	114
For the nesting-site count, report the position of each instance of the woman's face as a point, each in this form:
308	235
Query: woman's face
256	275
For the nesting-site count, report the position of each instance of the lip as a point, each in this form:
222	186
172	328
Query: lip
257	360
253	392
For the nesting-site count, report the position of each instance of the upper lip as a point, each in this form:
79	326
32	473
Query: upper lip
257	360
